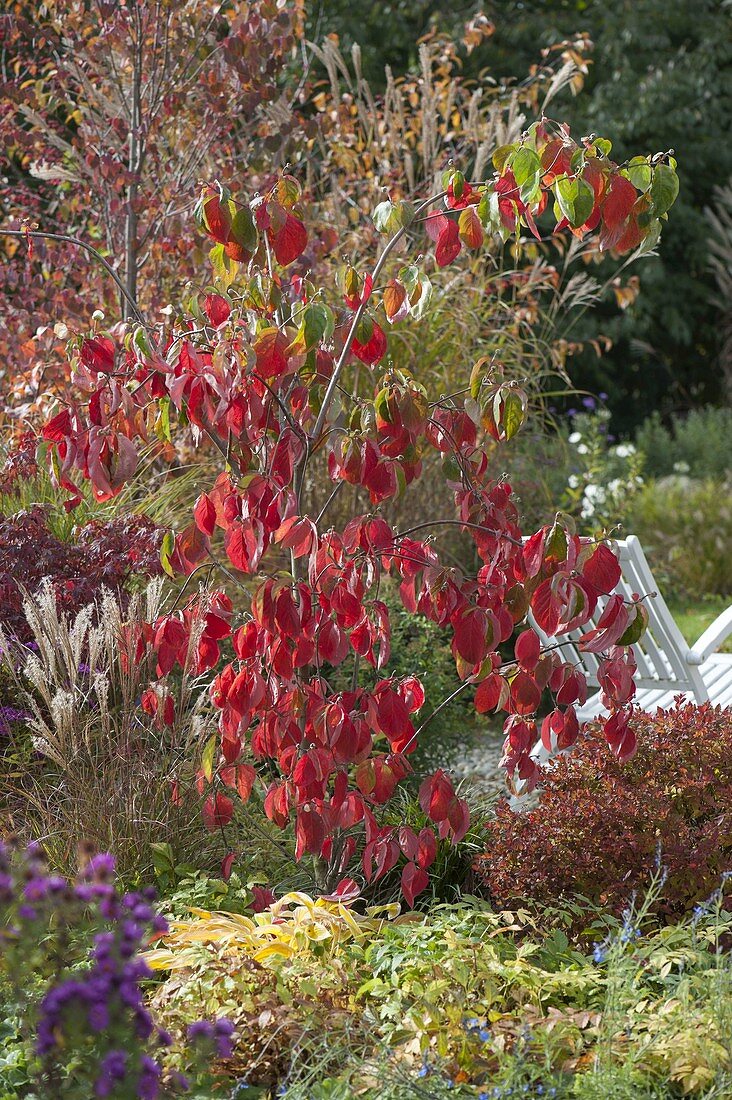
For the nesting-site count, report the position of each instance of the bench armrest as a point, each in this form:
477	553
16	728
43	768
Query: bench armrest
713	636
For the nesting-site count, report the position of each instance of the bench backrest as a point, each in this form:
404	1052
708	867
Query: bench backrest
661	653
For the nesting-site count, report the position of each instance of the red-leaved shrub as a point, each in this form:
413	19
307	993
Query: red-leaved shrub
103	555
600	824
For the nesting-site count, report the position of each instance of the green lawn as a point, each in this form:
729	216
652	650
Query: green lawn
693	617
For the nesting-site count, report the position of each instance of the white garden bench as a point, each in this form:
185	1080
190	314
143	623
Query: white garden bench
667	666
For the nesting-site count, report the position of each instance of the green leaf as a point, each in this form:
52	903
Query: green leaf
577	160
526	168
224	267
318	323
501	155
166	549
389	217
457	179
640	173
382	216
513	413
603	146
163	858
664	188
243	229
162	423
576	200
635	629
651	239
556	543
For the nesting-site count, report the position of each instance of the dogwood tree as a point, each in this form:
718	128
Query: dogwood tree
274	373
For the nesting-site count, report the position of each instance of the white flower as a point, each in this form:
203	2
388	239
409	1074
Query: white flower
582	448
614	486
573	481
624	450
681	467
575	437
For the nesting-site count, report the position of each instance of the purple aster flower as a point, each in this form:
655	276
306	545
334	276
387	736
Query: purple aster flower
98	1016
147	1085
200	1029
100	868
112	1069
224	1030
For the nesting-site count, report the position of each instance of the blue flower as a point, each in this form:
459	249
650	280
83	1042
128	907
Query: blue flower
599	953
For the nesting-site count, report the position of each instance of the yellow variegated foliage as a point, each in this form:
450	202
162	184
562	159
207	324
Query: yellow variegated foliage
294	925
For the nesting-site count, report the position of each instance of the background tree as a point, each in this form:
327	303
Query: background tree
111	113
661	78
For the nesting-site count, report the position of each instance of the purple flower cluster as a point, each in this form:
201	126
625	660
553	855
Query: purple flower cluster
97	1008
11	714
217	1034
102	1002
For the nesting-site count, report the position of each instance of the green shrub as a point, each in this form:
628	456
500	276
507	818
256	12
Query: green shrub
686	530
696	444
462	1002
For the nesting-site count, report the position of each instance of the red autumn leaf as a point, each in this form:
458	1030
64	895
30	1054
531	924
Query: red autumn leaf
376	779
470	635
620	736
435	225
269	348
408	841
525	694
470	228
617	205
392	714
291	240
427	848
217	309
242	778
58	427
448	245
226	865
190	548
244	545
610	627
262	898
602	570
97	355
296	534
490	694
204	513
414	881
347	890
528	650
412	692
546	607
436	795
374	349
459	819
309	832
395	297
631	237
218	811
215	214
